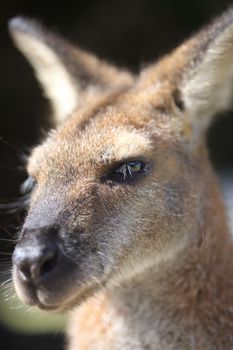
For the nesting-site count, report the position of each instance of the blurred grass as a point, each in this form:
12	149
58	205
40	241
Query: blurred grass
20	318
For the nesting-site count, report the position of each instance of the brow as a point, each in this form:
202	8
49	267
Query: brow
125	146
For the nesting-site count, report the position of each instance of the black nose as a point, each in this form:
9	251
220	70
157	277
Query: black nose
35	263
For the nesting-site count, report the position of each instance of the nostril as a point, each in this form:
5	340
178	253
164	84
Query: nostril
49	260
24	268
34	264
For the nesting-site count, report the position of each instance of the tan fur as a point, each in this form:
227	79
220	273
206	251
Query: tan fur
158	266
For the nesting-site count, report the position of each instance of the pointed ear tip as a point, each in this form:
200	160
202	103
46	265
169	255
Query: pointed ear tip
17	23
21	24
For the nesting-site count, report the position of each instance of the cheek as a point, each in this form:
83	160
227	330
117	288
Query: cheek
175	200
154	211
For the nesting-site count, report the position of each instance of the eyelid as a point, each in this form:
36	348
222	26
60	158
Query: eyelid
109	175
118	163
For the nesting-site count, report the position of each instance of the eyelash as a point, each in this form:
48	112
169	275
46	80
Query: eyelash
124	173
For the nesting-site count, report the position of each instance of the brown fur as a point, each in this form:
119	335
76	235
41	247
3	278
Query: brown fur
154	258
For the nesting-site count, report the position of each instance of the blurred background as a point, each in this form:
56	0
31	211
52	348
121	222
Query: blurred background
129	33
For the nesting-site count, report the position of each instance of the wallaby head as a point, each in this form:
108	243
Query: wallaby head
123	183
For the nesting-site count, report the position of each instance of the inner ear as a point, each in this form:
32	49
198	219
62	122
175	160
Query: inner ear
67	74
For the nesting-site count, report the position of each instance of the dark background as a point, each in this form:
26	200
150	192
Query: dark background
129	33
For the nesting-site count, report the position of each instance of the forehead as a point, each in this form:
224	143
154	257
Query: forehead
95	146
105	133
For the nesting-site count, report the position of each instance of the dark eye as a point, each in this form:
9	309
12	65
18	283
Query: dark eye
128	172
28	185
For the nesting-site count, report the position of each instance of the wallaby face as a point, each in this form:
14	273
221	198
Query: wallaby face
100	184
122	185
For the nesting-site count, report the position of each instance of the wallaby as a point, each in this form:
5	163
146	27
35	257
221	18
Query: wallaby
126	222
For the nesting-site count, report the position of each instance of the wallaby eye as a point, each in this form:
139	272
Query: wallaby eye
127	172
28	185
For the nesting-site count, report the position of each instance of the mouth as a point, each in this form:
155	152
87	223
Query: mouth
48	308
75	300
50	300
32	296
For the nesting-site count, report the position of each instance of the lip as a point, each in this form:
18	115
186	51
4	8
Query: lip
41	304
35	301
30	295
46	298
47	308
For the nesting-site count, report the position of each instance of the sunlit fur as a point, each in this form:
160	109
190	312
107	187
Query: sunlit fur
154	256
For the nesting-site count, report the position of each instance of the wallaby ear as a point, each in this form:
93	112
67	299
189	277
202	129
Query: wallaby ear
66	73
207	80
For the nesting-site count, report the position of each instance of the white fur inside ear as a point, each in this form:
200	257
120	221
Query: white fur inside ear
208	86
51	73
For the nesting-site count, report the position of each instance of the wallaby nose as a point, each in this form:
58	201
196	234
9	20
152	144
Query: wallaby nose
34	263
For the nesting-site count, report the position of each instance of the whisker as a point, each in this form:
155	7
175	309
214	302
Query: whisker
17	204
11	168
18	150
5	272
18	307
5	282
8	240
